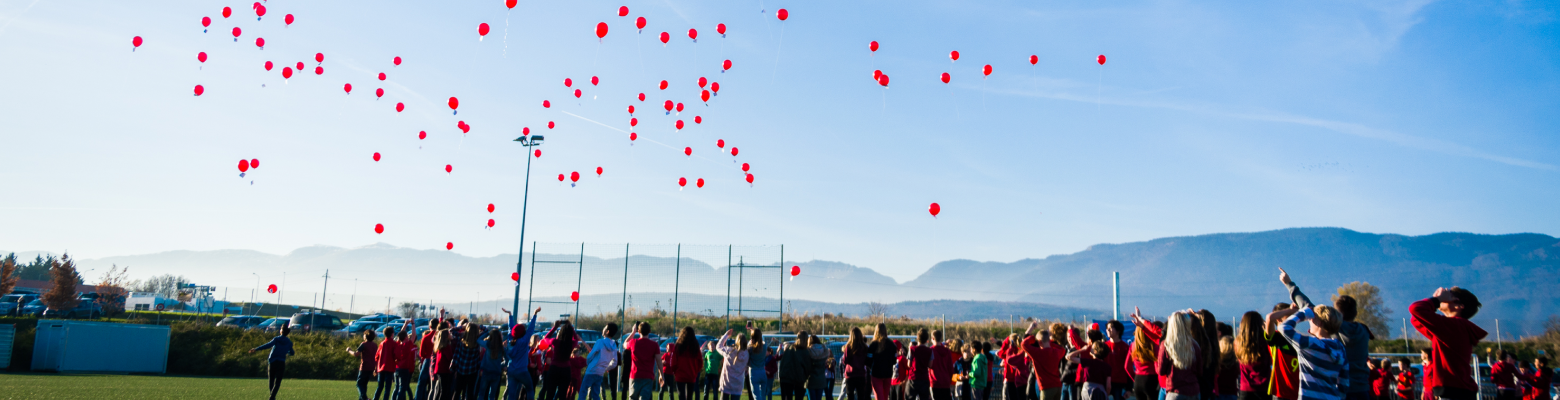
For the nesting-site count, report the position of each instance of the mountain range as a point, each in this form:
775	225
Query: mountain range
1227	273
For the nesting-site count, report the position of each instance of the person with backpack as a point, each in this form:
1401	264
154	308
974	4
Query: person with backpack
276	363
1448	371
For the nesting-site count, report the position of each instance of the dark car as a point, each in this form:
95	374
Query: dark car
272	325
242	321
308	321
357	327
385	318
84	309
34	308
12	304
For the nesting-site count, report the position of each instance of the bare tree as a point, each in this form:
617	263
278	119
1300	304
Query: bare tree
166	285
877	310
407	309
62	294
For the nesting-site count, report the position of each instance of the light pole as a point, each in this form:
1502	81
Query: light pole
256	294
528	141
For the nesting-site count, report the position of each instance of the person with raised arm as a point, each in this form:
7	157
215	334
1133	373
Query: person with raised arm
276	363
518	353
1094	372
1449	371
1355	337
1045	356
734	364
1180	365
643	357
1323	359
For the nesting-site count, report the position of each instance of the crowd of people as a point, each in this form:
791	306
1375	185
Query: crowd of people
1188	356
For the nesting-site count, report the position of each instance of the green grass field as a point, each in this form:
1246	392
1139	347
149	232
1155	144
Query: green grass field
72	386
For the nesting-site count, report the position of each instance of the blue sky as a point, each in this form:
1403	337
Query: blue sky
1407	117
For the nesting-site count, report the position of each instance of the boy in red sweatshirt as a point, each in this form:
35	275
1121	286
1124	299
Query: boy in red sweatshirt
1448	373
1405	381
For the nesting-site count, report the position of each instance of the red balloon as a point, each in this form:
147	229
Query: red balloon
594	81
783	14
525	130
934	209
348	88
271	288
744	167
640	23
715	88
491	222
630	109
454	103
482	29
750	179
665	37
577	93
135	42
379	228
721	29
704	95
641	97
668	105
538	153
267	65
449	245
679	124
575	296
623	11
954	55
448	168
733	151
796	270
574	176
688	151
703	81
376	157
399	107
663	85
254	163
381	76
201	57
299	67
396	61
698	119
199	90
205	21
259	11
319	70
946	77
288	19
227	12
546	104
465	128
699	183
243	165
286	72
549	124
514	276
682	181
490	208
598	171
693	34
319	57
380	92
877	73
633	122
601	30
873	46
561	178
721	143
725	65
1034	59
883	80
633	136
679	107
422	135
511	5
986	70
1101	59
237	32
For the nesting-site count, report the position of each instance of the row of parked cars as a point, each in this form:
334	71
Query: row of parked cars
31	304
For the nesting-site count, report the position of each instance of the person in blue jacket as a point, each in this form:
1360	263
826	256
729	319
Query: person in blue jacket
519	350
276	365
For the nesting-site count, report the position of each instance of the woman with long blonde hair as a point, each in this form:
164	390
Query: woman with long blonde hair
1180	358
1251	352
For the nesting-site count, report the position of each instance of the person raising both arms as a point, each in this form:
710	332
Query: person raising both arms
1448	371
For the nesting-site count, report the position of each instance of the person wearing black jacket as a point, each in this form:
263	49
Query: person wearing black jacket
796	365
883	354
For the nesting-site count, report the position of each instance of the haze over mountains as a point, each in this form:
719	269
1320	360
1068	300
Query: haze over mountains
1228	273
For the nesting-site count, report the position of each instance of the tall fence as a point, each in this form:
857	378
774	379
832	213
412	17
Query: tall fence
733	282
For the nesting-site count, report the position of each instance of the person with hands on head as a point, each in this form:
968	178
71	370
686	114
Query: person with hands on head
1448	371
276	363
1045	356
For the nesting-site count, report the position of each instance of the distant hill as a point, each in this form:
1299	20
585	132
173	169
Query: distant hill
1227	273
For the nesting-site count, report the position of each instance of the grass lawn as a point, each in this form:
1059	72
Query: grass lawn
73	386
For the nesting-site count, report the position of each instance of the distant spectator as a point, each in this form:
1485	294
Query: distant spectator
276	364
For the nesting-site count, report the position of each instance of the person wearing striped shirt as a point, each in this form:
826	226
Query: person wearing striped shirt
1323	364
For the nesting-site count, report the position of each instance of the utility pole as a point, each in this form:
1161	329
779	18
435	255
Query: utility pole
1115	294
325	290
352	303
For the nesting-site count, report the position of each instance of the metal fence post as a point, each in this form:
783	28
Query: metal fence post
623	305
676	288
728	287
579	276
532	289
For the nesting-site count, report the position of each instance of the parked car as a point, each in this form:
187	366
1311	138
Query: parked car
357	327
309	321
379	318
12	304
34	308
242	321
272	325
83	309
